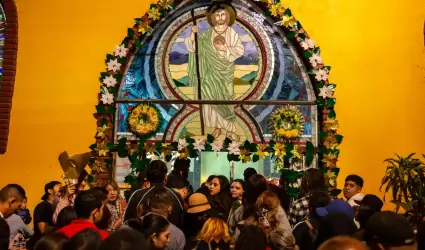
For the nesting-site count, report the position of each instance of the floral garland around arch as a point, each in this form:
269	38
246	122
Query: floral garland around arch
328	151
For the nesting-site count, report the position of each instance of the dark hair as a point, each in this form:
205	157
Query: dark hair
65	217
156	171
313	180
100	191
151	223
248	172
318	199
87	201
420	236
366	209
251	238
142	179
281	193
86	239
242	182
356	179
193	223
52	241
12	190
160	198
222	202
125	239
182	164
256	185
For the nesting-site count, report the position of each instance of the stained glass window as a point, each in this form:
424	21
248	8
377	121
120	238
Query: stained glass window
260	73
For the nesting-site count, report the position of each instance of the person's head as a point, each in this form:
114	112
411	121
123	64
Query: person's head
353	185
11	199
86	239
317	199
343	243
89	205
52	241
156	172
180	185
313	180
248	172
256	185
335	206
125	239
65	217
268	201
220	16
281	239
251	238
335	224
369	205
113	191
182	166
237	188
219	184
157	229
160	201
388	230
214	229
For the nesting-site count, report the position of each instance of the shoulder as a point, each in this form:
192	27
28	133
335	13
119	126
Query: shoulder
103	234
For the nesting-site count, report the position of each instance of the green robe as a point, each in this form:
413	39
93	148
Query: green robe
217	76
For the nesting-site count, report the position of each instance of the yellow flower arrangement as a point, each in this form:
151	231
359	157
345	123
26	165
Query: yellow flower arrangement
287	123
144	120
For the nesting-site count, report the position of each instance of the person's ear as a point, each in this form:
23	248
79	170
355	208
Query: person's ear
169	210
166	179
153	236
147	184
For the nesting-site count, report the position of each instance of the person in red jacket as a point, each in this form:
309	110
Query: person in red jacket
89	208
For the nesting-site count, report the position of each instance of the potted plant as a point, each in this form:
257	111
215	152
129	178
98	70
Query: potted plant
405	179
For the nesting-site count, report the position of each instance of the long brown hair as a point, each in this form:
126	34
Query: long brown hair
214	229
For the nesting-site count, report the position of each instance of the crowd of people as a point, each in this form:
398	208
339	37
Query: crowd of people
165	213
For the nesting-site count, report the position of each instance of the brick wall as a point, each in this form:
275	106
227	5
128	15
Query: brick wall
9	70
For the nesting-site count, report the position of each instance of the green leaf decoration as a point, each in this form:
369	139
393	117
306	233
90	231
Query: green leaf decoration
288	12
307	54
100	109
114	90
299	25
189	139
108	162
90	178
320	102
227	141
302	36
193	153
309	153
138	20
130	32
335	171
111	110
327	68
122	152
208	147
332	114
323	135
247	145
103	75
335	152
255	158
138	43
210	138
104	121
319	85
323	151
291	34
163	12
122	60
153	6
311	72
331	103
118	76
110	145
253	147
93	146
109	57
317	50
289	147
335	192
339	138
229	157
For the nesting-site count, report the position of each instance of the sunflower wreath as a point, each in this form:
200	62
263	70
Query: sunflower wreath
287	123
145	120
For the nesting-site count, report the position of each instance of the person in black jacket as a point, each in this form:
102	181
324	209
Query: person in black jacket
11	199
156	174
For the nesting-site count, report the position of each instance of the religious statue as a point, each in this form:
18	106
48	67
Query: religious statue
218	48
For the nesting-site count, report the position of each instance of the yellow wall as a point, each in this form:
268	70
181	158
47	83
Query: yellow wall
375	49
